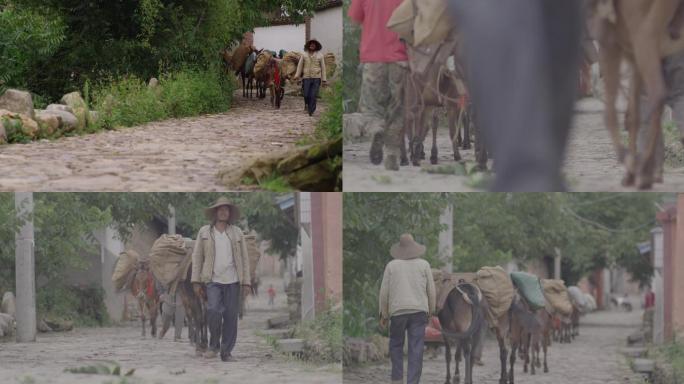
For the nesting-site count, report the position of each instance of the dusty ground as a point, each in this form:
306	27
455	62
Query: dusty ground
161	361
592	358
590	163
172	155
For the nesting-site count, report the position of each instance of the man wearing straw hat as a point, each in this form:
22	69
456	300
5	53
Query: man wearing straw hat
220	261
407	299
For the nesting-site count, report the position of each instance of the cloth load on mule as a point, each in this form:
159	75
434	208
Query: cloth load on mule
289	64
445	282
557	296
253	252
497	288
578	298
239	56
421	22
125	265
530	288
330	64
169	258
262	61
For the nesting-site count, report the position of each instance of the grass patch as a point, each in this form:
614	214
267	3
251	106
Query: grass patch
674	354
323	337
111	368
129	101
446	169
329	126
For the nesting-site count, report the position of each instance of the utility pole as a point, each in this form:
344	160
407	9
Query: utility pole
446	238
25	269
557	265
179	312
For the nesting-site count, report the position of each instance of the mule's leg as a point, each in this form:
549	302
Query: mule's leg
514	349
632	122
447	356
434	155
529	354
649	64
503	354
153	319
457	363
468	359
545	345
454	131
141	305
610	57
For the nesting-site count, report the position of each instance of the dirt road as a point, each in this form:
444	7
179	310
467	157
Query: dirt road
161	361
172	155
593	358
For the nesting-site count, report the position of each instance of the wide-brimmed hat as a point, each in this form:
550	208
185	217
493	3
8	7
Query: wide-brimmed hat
318	45
407	248
210	211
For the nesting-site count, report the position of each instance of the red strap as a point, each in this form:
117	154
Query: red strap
150	285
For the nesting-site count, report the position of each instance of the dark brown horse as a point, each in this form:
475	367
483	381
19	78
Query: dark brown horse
462	320
143	287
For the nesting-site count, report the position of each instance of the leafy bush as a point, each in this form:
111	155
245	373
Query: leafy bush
129	101
330	125
323	337
84	306
26	36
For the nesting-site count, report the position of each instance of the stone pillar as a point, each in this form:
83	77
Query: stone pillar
25	269
446	239
658	286
557	264
171	220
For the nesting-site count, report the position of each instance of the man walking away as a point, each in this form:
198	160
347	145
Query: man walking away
407	299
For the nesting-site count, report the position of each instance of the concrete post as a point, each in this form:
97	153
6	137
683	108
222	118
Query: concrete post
657	285
25	269
446	239
557	264
172	220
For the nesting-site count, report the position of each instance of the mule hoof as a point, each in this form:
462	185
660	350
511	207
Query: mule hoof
644	182
546	369
628	179
404	162
457	156
433	160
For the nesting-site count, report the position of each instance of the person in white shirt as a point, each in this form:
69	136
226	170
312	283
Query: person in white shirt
220	260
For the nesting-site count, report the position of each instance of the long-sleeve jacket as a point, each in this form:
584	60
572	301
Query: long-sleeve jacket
204	255
311	66
407	286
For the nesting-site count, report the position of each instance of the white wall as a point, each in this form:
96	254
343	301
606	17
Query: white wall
275	38
326	27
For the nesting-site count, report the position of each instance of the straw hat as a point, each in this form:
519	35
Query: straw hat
407	248
210	211
318	45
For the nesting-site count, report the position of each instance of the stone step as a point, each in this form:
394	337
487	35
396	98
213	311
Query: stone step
277	333
643	365
279	321
634	352
290	345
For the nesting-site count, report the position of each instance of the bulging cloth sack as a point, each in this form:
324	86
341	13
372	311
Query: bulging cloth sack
497	288
167	258
530	288
557	295
421	22
125	264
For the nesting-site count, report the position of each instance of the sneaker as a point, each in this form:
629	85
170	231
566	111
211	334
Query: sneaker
210	354
391	163
376	148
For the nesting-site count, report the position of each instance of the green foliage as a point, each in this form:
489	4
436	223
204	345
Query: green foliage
330	125
372	223
323	337
83	306
26	36
129	101
14	130
674	354
101	39
351	74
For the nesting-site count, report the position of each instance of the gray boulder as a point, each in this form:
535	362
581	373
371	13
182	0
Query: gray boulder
17	101
8	305
69	122
78	106
7	324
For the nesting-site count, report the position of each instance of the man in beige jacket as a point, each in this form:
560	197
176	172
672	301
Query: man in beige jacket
311	69
407	299
220	261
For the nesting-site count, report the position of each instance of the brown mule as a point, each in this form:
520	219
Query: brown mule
143	287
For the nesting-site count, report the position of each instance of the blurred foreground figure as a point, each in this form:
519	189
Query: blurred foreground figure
522	58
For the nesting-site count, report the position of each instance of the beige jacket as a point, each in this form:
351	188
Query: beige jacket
204	254
407	285
311	66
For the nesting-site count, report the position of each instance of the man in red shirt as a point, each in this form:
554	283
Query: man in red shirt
385	70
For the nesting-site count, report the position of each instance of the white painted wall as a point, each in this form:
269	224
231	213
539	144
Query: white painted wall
275	38
326	27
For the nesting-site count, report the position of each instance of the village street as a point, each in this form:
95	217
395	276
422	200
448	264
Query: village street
162	361
590	164
172	155
592	358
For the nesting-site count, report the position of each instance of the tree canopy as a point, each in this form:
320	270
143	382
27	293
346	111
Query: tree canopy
54	46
